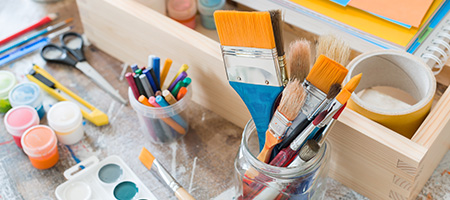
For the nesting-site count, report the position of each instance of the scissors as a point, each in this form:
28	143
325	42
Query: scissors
72	43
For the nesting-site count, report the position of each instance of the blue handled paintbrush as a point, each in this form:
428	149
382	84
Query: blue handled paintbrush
251	61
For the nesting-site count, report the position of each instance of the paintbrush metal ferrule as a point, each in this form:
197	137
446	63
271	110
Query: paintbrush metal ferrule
252	65
314	98
164	174
333	108
283	71
279	125
300	139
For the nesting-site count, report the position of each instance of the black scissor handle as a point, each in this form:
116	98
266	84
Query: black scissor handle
54	53
77	50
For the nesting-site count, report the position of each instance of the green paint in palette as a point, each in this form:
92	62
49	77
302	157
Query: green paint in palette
125	191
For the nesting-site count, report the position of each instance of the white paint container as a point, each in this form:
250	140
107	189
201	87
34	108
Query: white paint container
66	120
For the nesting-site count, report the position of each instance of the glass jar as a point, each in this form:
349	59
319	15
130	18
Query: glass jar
257	180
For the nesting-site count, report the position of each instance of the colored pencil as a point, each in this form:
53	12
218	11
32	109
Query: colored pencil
50	17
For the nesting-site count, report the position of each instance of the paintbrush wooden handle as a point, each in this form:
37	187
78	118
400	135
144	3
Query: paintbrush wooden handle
182	194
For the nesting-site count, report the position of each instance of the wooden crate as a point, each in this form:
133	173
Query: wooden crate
369	158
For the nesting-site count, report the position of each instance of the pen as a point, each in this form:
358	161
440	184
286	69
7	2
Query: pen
178	79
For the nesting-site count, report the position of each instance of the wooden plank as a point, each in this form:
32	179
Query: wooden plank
159	34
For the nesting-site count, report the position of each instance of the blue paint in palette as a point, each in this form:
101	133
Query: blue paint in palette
110	173
125	191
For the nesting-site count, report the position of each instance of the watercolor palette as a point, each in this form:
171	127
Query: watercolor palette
108	179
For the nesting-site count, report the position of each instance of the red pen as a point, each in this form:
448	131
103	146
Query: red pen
130	80
50	17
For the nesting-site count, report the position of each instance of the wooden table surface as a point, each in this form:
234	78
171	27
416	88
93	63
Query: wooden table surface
211	142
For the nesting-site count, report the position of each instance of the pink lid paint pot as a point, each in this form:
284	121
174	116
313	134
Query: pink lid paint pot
18	120
183	11
66	119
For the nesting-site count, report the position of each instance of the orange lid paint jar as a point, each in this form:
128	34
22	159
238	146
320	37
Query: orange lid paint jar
40	144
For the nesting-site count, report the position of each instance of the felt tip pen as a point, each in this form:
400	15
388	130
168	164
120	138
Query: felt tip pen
183	68
130	80
146	85
180	77
165	70
134	67
154	63
139	85
163	103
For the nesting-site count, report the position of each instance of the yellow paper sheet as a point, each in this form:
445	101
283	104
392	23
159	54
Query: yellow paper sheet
365	21
410	12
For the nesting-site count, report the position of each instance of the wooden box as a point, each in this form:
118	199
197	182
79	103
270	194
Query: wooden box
369	158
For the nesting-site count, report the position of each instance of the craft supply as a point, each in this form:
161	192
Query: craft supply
110	178
169	97
183	68
35	35
66	120
277	26
40	144
163	103
31	47
72	43
154	63
47	19
153	164
165	70
184	83
206	8
183	11
396	69
146	85
132	84
299	60
134	67
142	99
181	93
61	93
290	105
241	35
139	85
18	120
151	79
333	48
28	94
7	83
158	93
180	78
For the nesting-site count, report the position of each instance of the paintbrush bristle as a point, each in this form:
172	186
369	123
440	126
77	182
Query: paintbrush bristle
277	26
309	150
146	158
325	73
353	83
299	59
334	48
334	90
292	100
320	117
245	29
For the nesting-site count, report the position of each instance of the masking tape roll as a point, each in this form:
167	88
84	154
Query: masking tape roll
395	69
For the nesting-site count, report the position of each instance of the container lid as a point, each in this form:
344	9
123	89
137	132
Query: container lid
64	116
181	9
20	118
38	140
211	3
7	82
25	94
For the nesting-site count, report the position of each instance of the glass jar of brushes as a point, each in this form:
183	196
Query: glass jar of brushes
258	180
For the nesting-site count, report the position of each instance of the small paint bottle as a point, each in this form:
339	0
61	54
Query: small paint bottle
40	144
66	120
183	11
29	94
7	82
206	9
18	120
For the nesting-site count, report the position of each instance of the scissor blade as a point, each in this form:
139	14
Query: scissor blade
87	69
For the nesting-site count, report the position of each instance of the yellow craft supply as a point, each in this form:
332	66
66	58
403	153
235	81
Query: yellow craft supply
61	93
165	70
169	97
182	69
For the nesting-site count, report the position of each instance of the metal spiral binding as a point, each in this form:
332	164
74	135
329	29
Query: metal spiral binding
440	52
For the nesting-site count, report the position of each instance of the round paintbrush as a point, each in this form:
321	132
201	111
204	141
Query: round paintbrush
334	48
299	59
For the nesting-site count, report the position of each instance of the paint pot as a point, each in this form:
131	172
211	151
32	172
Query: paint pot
77	191
126	191
206	9
40	144
183	11
18	120
27	94
7	82
110	173
65	118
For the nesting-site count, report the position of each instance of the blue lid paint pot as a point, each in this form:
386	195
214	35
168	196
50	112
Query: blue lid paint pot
27	94
126	191
206	9
110	173
7	83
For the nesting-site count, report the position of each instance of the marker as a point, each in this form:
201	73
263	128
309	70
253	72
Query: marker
181	93
154	63
178	79
130	80
150	78
144	100
152	101
183	68
180	84
163	103
138	71
146	85
169	97
134	67
165	70
139	85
